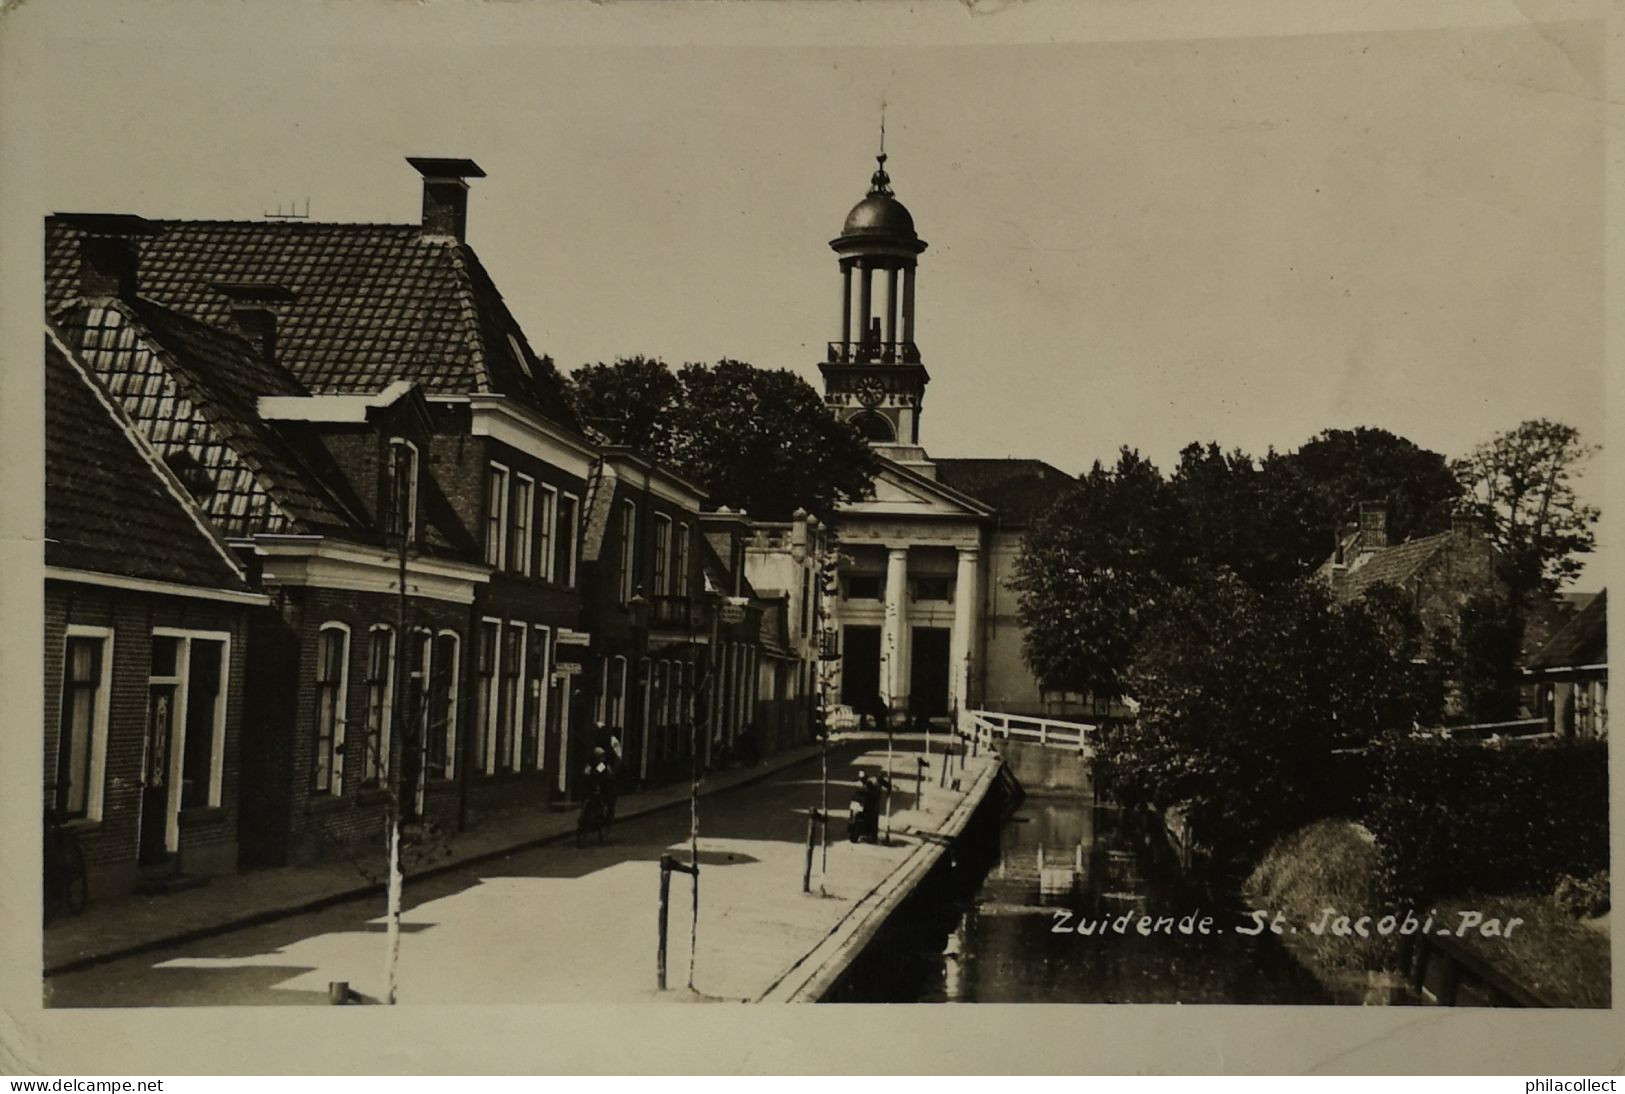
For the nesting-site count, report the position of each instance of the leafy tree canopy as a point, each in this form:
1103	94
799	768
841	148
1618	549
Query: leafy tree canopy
1520	485
757	439
1340	468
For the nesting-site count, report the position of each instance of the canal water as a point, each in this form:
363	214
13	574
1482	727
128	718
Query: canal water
1001	924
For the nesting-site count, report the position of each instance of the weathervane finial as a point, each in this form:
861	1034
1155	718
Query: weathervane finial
880	183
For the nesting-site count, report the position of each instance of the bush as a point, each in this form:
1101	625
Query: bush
1457	816
1331	863
1583	897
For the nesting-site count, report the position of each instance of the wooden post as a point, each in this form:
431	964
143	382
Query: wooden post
814	818
920	764
665	903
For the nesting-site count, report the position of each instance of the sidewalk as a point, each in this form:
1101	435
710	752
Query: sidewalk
128	925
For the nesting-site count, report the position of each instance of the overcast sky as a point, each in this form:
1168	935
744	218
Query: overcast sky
1132	242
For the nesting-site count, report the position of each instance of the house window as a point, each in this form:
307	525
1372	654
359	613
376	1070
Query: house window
564	546
508	720
524	503
82	741
332	656
662	547
380	698
616	692
933	588
629	526
485	695
546	516
865	586
679	560
402	509
536	685
496	516
442	722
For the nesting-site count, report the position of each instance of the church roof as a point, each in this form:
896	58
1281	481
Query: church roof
1018	489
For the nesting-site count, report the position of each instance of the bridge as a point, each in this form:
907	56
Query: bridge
987	726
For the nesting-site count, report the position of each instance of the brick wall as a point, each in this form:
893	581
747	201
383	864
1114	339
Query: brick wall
208	836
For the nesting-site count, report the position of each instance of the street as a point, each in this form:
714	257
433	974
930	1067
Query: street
554	923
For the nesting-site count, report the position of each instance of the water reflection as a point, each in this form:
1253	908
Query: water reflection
1066	859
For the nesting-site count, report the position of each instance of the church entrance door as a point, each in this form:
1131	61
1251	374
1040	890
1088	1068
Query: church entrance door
928	672
860	668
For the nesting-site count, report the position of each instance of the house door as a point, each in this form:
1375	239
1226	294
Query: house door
860	668
928	672
164	700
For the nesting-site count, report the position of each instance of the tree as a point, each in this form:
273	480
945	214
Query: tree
632	402
1520	487
1486	658
1093	568
1341	468
1245	697
763	441
757	439
1250	516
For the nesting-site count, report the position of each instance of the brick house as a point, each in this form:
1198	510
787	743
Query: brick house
329	388
146	620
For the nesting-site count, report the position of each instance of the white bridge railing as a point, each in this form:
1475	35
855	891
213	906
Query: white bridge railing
989	724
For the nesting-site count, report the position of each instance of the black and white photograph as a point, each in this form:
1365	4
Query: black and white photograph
618	505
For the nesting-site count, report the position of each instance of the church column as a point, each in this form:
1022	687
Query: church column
846	306
967	611
891	305
908	303
892	637
865	299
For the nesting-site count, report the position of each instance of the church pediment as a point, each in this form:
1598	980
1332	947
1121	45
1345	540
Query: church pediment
899	491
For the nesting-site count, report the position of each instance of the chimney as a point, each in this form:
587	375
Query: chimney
254	307
1373	525
445	194
108	253
1466	524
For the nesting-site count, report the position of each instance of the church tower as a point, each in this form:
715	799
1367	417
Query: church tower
872	376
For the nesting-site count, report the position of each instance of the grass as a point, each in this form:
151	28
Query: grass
1563	960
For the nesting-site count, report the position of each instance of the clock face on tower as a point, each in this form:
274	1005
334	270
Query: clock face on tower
870	391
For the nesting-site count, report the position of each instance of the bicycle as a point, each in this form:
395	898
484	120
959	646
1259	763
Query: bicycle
595	816
67	885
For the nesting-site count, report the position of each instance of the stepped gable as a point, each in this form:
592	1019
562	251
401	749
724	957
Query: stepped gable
1019	489
110	505
372	303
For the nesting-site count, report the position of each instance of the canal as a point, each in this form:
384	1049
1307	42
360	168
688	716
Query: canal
1000	925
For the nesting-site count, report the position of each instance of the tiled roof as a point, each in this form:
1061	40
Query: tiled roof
1389	565
191	393
108	506
1019	489
1582	641
373	303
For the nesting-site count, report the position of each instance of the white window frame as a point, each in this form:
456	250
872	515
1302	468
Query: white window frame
494	472
524	486
217	743
493	685
546	515
386	724
335	780
97	775
451	698
629	549
516	710
662	553
569	580
412	494
680	558
543	635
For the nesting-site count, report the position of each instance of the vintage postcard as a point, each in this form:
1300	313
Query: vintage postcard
527	514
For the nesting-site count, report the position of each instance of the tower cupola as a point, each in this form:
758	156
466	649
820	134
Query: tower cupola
872	375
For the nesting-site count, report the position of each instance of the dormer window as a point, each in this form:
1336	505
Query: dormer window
401	510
